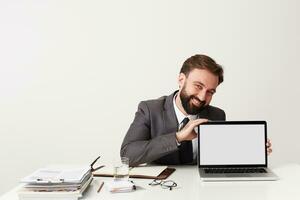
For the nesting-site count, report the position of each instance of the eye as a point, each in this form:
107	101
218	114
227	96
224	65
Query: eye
211	93
199	87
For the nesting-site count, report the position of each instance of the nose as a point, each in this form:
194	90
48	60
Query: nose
202	95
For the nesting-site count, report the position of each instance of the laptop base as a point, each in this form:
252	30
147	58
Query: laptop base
269	176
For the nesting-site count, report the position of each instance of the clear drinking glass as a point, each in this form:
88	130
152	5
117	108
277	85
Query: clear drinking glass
121	169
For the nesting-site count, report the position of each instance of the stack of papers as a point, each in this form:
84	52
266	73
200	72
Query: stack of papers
56	183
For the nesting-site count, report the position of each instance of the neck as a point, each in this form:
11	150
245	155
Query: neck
179	104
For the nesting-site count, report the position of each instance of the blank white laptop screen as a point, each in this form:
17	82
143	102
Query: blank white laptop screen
232	144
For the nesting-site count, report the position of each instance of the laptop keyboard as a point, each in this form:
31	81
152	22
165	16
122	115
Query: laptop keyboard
234	170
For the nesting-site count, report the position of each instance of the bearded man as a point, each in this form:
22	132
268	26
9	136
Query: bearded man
164	129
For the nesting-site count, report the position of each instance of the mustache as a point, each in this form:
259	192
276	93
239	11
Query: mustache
201	102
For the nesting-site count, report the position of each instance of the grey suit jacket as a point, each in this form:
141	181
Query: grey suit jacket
151	136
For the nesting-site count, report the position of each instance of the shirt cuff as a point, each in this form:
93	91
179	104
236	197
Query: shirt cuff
178	143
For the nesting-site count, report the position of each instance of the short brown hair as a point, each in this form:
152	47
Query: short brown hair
199	61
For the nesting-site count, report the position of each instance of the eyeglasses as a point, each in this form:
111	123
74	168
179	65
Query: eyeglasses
164	184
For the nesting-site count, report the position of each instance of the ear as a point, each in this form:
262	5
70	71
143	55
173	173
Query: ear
181	80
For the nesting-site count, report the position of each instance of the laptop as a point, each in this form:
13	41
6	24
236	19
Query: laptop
233	151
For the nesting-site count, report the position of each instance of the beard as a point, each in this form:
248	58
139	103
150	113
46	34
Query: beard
188	105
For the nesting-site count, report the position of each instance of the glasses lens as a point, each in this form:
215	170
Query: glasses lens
168	184
155	182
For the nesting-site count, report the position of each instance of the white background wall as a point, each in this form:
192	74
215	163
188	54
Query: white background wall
73	72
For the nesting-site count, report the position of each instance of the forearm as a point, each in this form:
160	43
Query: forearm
146	151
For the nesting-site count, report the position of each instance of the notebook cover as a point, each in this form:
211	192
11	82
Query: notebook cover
163	175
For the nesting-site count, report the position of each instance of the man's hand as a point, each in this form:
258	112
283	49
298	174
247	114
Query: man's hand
188	132
269	146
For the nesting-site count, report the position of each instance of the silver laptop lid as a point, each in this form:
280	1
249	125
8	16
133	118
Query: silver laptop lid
232	144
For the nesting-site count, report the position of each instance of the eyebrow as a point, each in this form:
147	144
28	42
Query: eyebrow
198	82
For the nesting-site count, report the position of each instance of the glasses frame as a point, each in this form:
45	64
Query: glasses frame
164	184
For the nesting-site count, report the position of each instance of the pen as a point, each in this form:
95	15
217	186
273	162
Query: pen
101	185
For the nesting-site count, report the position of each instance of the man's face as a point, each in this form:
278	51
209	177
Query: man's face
196	90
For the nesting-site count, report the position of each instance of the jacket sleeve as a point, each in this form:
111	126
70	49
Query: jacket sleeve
138	144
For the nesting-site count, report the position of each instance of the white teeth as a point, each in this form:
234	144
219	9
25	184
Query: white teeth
197	102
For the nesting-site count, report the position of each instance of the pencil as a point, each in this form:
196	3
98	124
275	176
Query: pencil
101	185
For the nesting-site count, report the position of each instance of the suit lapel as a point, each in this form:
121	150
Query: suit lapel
169	115
203	113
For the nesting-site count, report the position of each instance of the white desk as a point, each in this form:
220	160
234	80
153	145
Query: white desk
190	187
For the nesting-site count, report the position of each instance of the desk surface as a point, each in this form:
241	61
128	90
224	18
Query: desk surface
190	187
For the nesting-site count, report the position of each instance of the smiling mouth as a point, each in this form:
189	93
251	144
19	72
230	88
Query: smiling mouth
196	102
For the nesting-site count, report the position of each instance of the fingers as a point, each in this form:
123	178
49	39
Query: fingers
269	144
188	133
200	121
193	123
269	151
269	147
196	122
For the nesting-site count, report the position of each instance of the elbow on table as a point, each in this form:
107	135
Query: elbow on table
133	161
